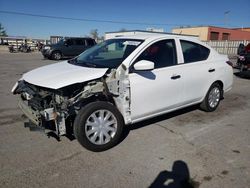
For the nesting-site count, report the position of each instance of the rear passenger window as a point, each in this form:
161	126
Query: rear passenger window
91	42
193	52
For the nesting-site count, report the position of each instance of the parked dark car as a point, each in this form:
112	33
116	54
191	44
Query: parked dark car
68	47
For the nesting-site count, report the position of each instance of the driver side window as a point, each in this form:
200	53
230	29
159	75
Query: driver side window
162	53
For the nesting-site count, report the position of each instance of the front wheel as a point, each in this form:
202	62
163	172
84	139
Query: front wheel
98	126
212	99
56	55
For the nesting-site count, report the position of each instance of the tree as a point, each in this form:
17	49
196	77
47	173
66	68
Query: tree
94	34
102	38
2	31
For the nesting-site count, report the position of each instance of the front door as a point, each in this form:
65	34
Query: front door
68	48
153	92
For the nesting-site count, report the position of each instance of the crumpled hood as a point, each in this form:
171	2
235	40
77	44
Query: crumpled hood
62	74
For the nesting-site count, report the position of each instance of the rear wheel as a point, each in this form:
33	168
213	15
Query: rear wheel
212	99
56	55
98	126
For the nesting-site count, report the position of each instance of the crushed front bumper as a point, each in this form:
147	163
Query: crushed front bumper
39	118
32	115
32	105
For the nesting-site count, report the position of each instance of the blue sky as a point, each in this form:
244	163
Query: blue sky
170	13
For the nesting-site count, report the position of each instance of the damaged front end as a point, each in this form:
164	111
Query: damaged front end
49	109
46	108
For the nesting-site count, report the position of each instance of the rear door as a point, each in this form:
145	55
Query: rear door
197	72
90	42
80	46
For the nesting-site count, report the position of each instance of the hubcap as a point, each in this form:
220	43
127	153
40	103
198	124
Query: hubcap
101	127
214	97
57	56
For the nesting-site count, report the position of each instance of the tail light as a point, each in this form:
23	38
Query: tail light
230	63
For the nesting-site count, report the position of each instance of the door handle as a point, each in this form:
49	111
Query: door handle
174	77
211	70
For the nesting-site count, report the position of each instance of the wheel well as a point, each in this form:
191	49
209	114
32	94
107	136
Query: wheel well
97	97
221	85
56	51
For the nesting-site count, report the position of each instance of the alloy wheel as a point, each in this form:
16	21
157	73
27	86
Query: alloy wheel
214	97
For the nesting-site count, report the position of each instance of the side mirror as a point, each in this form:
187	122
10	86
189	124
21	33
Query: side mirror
144	65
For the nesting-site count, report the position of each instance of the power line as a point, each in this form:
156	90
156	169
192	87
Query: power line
93	20
83	19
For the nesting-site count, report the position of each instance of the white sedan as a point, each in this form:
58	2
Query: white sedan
122	81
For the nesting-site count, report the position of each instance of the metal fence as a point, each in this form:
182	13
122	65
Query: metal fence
226	47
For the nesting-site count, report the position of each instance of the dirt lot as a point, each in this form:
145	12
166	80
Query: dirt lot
212	150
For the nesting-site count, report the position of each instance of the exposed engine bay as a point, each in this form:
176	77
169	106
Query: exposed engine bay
50	108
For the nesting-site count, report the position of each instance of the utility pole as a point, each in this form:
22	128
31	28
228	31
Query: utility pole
226	20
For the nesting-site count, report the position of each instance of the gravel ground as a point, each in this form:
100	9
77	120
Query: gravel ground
210	150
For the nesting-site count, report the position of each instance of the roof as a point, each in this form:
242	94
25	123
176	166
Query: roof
187	27
242	28
13	37
77	38
152	36
149	32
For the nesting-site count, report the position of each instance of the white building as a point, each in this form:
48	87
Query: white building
109	35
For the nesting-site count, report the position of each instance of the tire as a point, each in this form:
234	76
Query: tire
93	131
25	50
212	99
56	55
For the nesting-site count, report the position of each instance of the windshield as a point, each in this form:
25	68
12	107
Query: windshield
108	54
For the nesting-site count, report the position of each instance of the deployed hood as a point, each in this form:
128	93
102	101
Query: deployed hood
62	74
